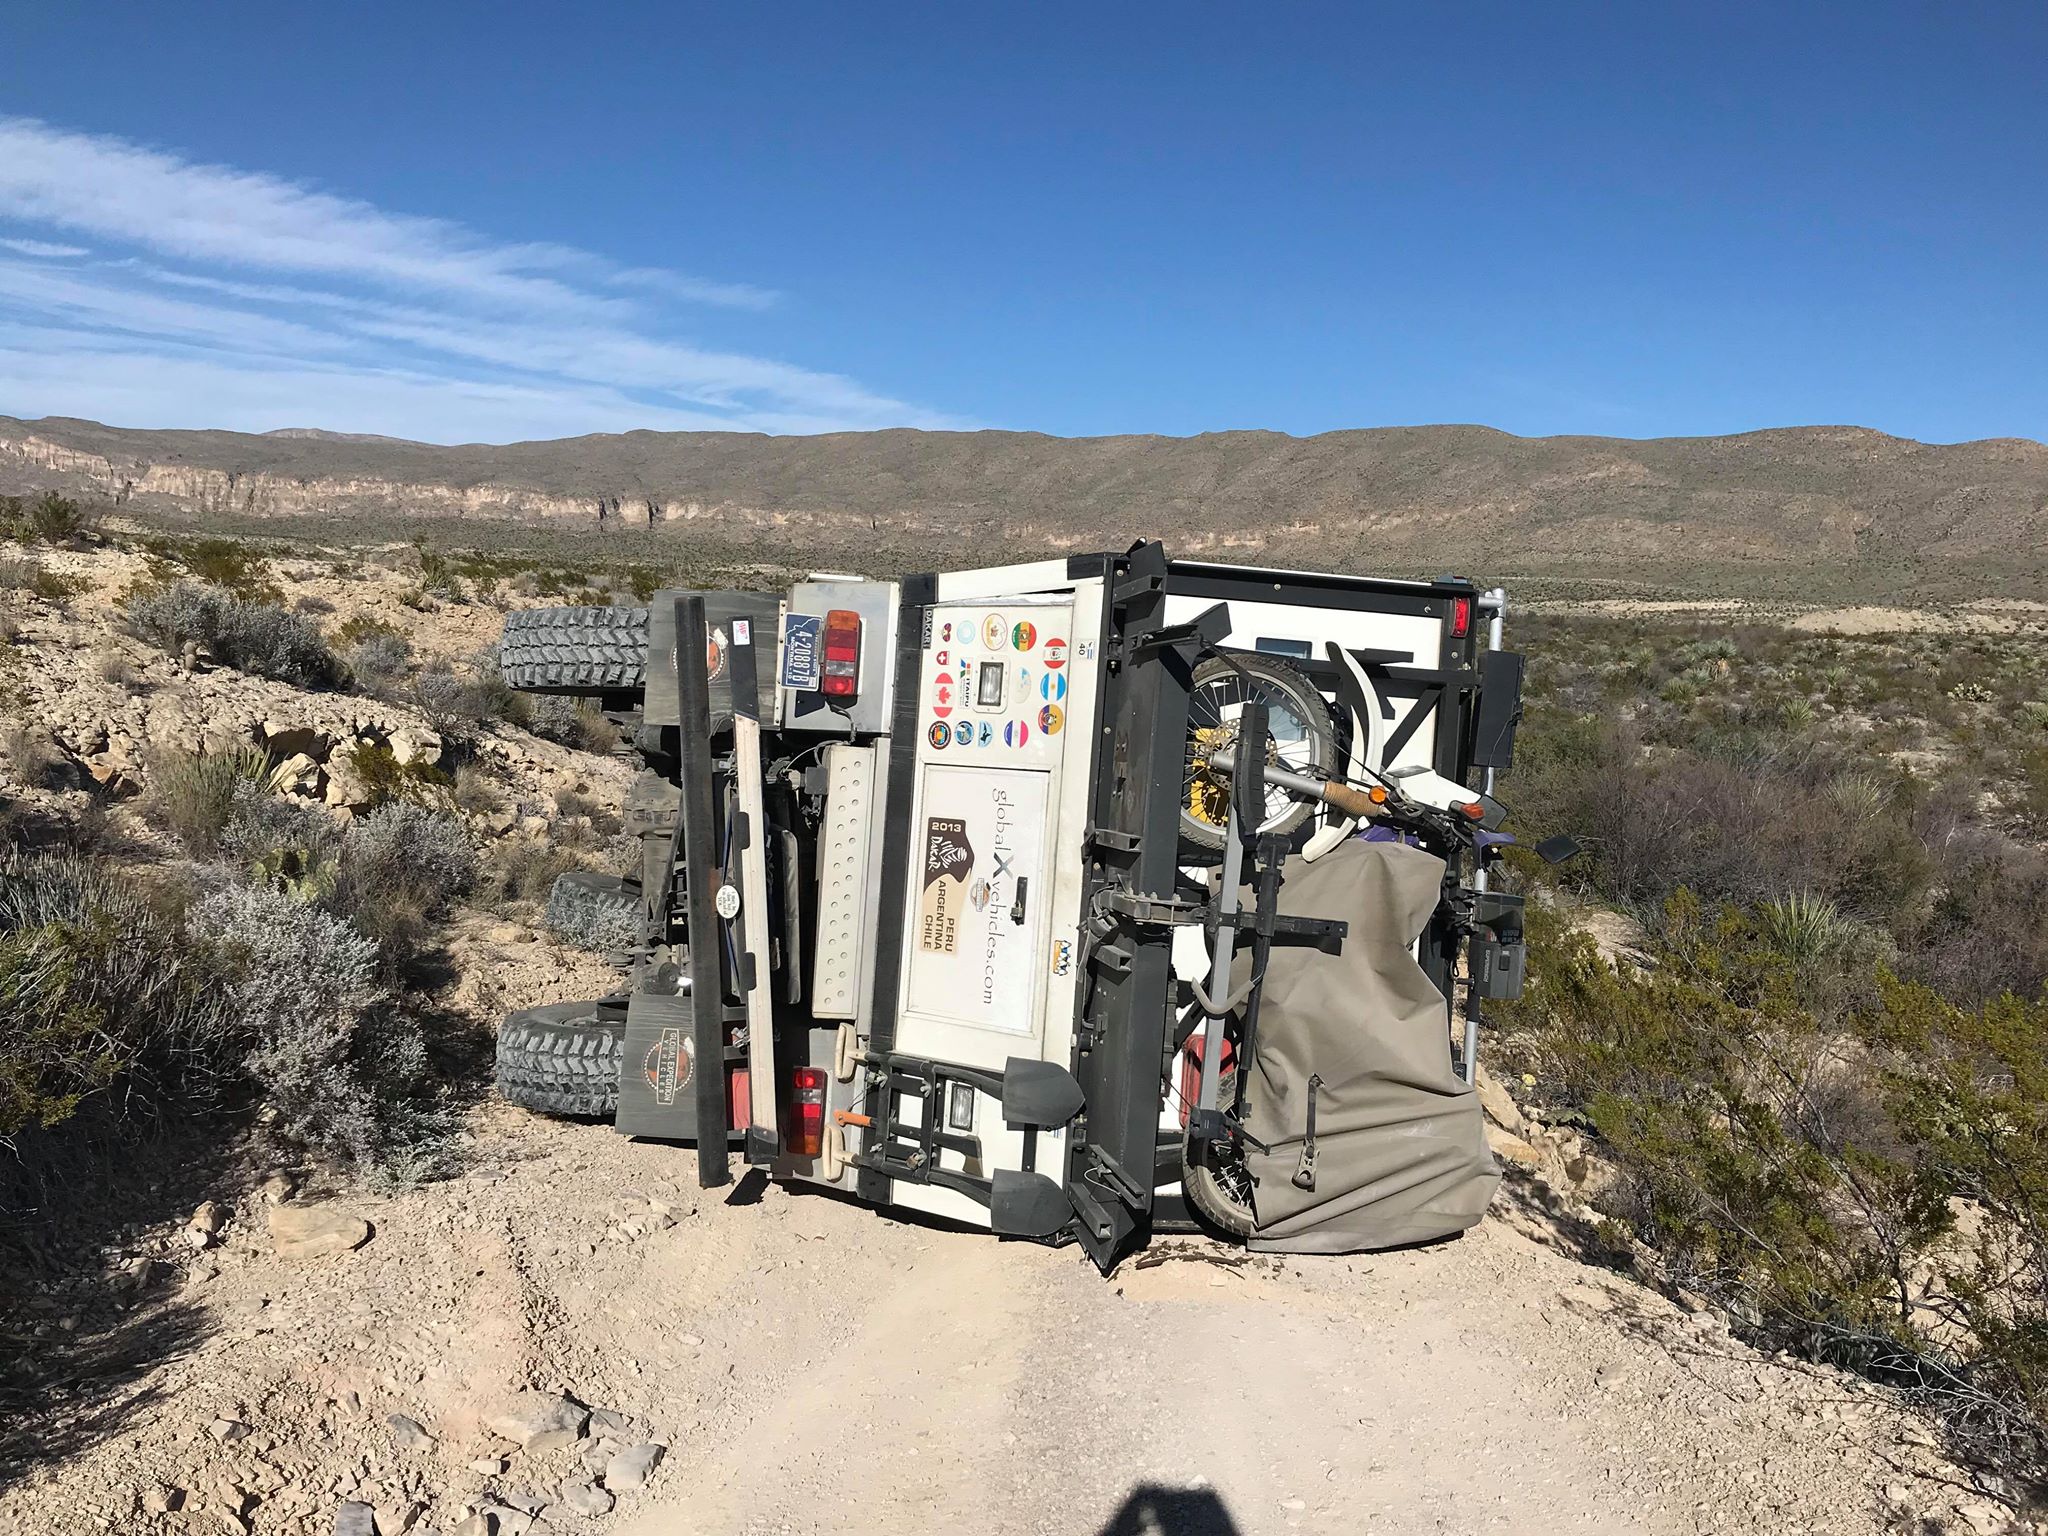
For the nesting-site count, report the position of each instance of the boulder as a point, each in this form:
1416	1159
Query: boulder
355	1519
288	739
299	774
203	1229
586	1498
315	1231
1500	1108
1510	1148
345	786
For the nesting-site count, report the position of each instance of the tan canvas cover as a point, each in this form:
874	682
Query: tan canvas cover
1401	1146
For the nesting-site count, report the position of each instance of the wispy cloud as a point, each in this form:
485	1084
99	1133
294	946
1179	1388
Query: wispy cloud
224	297
47	250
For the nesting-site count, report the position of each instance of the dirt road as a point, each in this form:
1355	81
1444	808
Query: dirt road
812	1367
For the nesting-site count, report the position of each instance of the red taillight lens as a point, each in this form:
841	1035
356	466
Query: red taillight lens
805	1132
1461	617
842	654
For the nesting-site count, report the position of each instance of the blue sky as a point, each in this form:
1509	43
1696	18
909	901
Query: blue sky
467	222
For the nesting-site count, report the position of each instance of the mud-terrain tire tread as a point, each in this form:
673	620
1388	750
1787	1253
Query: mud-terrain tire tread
574	650
563	1059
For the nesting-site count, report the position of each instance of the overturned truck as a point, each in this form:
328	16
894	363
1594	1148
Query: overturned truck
1068	899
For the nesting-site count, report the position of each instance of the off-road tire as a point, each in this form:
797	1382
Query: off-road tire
574	650
1284	685
1211	1190
563	1059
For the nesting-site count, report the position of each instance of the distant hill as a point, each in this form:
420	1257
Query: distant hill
1384	498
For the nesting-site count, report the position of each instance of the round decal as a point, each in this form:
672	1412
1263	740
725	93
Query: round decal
1025	635
1052	687
1051	718
963	734
727	901
942	700
988	733
670	1065
1055	654
994	632
1016	733
979	894
944	659
945	632
939	734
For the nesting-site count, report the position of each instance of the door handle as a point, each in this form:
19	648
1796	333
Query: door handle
1017	906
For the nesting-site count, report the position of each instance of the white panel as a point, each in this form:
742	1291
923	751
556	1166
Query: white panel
843	943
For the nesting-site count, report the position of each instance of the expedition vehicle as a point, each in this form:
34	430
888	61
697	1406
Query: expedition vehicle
1055	898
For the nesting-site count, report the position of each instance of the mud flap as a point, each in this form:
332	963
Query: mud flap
1041	1094
1027	1205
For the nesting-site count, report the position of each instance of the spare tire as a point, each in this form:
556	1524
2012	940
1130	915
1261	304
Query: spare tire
574	650
563	1059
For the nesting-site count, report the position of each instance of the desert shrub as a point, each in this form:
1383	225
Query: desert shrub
457	701
438	575
38	580
194	794
377	662
230	566
385	779
312	603
522	872
249	636
108	1012
577	723
48	519
335	1063
397	870
1983	934
1801	1157
279	843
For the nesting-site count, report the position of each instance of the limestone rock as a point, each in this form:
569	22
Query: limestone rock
528	1417
586	1498
631	1468
1512	1149
415	744
355	1519
315	1231
203	1229
1499	1106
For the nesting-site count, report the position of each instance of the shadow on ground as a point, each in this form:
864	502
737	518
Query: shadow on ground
1155	1511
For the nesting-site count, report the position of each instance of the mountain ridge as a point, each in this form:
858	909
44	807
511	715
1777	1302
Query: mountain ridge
1797	495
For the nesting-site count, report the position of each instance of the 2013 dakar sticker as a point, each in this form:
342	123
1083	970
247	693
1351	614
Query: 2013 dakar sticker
948	861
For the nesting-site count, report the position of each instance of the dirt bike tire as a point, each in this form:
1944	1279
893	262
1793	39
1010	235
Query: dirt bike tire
1288	687
574	650
1208	1187
563	1059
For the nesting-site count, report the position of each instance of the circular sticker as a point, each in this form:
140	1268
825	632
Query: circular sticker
670	1065
963	734
939	734
1051	718
994	632
978	895
1055	654
727	902
1025	635
1052	687
1016	733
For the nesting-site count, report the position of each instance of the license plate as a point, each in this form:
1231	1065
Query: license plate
802	651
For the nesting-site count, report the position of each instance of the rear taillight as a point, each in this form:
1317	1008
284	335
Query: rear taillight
805	1132
842	654
1461	617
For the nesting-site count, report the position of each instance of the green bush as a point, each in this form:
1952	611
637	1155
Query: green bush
108	1011
48	519
37	579
1794	1133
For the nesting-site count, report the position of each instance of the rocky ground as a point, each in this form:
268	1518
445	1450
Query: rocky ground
568	1336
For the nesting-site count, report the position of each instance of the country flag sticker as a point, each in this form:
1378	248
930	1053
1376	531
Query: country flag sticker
1052	687
1025	635
1051	718
1055	654
1016	733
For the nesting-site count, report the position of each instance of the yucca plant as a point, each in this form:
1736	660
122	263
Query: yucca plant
1805	927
